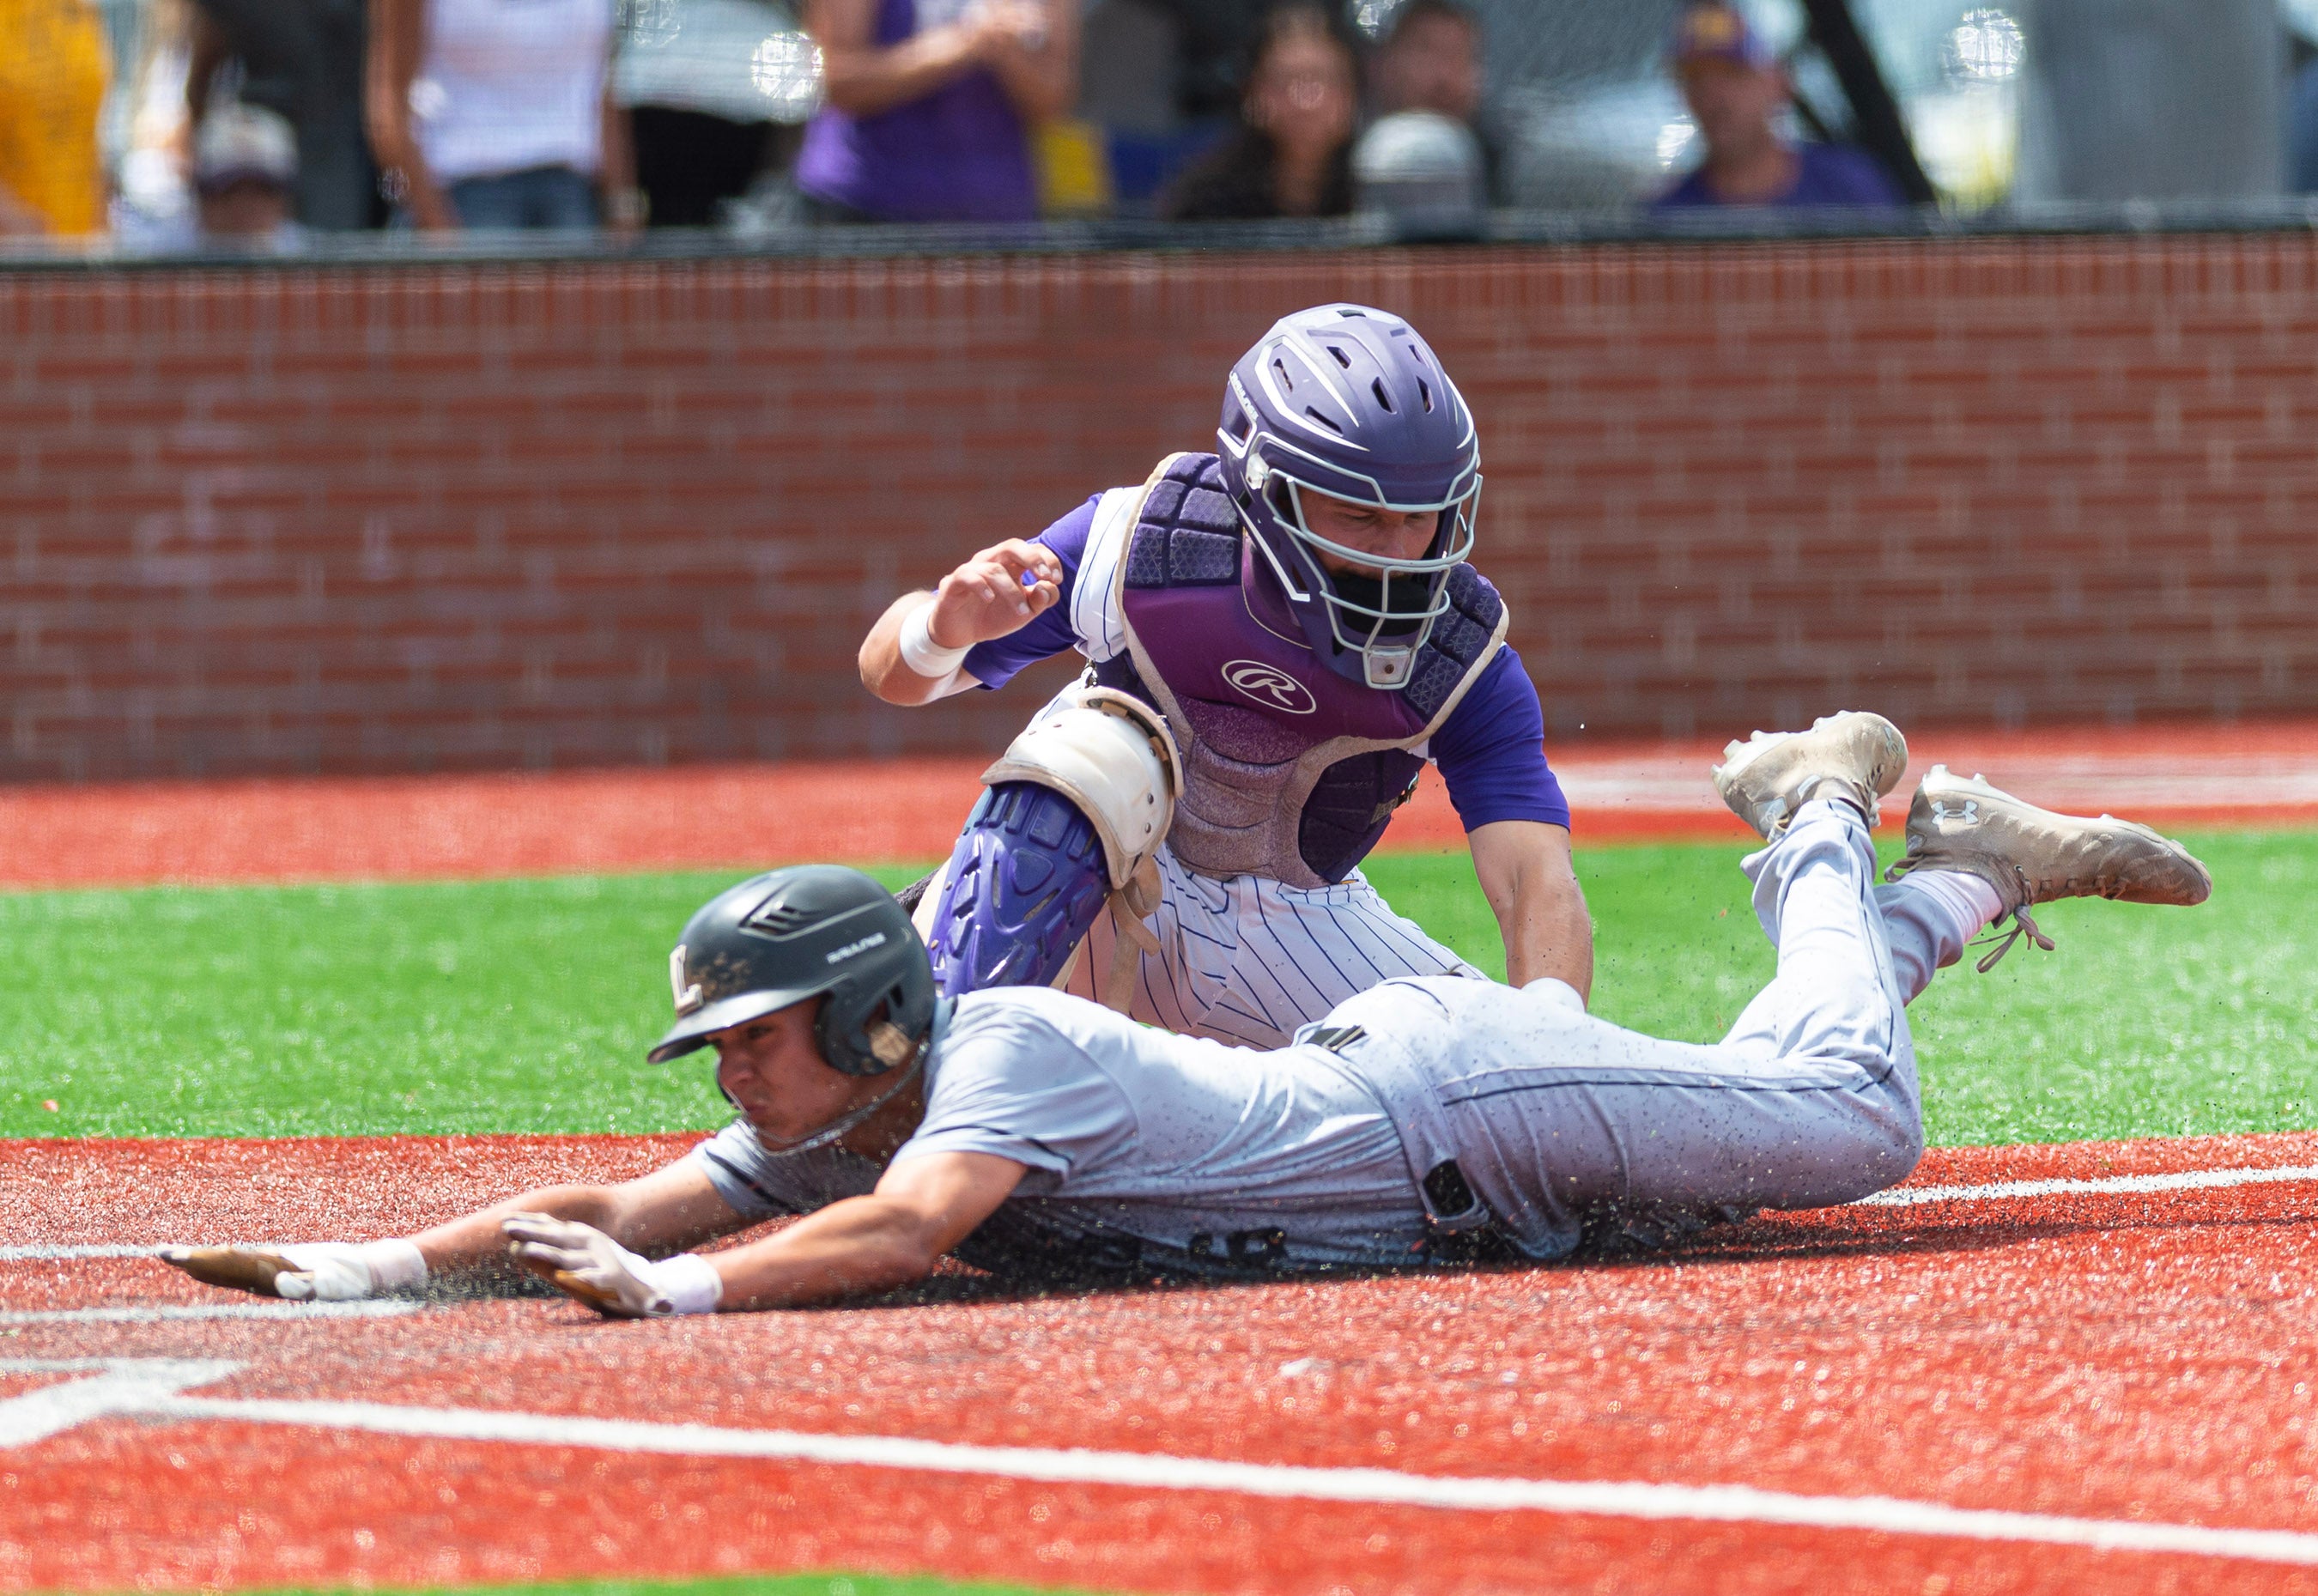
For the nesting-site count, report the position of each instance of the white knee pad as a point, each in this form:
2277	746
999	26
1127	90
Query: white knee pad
1113	756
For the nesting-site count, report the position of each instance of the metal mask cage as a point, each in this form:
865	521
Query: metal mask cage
1359	628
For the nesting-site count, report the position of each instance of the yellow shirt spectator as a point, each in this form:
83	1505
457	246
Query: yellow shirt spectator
53	71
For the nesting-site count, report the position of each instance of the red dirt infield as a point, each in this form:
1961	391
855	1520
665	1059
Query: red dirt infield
2120	1356
403	827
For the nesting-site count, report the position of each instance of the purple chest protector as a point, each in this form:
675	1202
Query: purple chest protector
1291	771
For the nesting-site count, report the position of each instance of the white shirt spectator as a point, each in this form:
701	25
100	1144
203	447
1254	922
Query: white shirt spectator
506	85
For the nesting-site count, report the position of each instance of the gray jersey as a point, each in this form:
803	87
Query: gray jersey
1143	1148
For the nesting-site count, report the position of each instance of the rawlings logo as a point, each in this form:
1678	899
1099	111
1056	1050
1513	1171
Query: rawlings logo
1271	686
875	939
1968	815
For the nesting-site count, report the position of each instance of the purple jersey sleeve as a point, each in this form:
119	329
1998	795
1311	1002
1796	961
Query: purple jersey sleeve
994	663
1492	751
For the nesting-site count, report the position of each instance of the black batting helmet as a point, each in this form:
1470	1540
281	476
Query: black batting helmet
809	931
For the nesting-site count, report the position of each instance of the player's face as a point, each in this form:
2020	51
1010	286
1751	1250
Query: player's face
1732	103
1303	94
772	1068
1397	534
1433	64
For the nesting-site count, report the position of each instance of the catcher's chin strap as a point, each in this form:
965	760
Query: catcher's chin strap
1130	905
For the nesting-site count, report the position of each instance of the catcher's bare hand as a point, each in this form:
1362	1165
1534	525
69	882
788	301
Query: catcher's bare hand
998	592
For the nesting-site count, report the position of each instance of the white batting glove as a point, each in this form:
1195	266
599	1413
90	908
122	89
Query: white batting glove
584	1262
306	1271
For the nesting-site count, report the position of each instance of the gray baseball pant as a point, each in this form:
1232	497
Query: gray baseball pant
1559	1119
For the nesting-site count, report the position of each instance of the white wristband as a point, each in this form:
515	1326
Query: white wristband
394	1266
689	1283
920	653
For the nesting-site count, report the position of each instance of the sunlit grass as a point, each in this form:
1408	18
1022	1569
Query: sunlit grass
526	1005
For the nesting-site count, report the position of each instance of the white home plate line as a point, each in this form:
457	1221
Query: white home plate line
161	1315
1902	1197
43	1254
1593	1498
112	1385
68	1250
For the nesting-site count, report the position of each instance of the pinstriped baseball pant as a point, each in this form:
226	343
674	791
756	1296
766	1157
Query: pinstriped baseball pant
1246	961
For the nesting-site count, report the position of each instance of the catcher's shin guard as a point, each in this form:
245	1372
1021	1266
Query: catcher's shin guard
1025	883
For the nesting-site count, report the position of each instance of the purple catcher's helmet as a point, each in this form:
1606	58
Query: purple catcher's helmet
1344	401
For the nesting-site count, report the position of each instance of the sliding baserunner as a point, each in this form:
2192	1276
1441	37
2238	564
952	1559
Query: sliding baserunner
1425	1120
1279	635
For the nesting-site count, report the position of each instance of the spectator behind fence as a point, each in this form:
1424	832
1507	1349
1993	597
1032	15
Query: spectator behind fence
929	103
301	59
717	93
1736	90
1430	60
245	177
1291	154
53	71
485	113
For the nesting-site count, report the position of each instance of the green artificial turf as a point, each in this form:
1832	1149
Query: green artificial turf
525	1005
276	1011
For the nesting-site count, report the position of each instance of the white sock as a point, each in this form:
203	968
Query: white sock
394	1266
1970	903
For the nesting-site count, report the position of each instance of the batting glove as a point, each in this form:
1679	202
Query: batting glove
306	1271
583	1261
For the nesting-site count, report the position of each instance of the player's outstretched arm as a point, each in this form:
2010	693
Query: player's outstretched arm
671	1207
1526	874
914	653
666	1211
921	1208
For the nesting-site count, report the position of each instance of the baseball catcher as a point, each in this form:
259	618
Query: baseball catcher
1424	1121
1279	636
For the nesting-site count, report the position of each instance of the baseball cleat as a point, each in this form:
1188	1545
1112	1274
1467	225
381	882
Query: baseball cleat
1854	755
238	1268
2032	856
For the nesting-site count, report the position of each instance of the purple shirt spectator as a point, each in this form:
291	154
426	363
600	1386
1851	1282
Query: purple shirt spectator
1825	175
957	153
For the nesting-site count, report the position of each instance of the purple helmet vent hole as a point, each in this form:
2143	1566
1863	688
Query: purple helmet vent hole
1342	359
1324	421
1376	386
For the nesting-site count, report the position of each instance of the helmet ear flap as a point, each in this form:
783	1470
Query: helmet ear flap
861	1037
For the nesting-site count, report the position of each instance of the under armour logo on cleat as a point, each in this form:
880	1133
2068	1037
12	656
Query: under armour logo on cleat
1969	815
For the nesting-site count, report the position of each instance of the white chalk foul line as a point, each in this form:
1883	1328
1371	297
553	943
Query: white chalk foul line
1902	1197
43	1254
1604	1498
159	1314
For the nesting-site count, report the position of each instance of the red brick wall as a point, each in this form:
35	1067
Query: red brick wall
419	517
